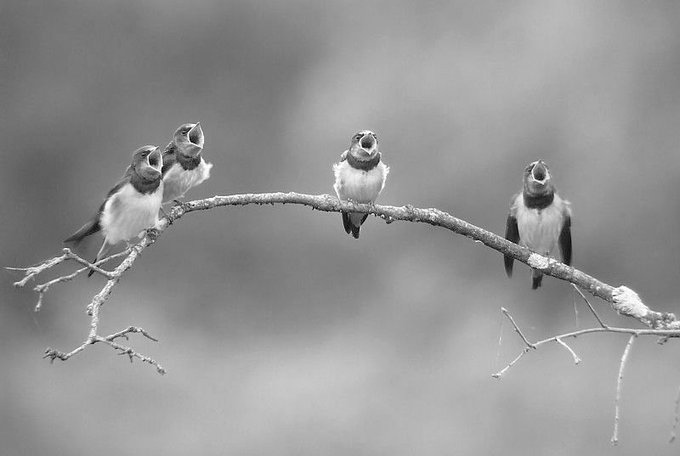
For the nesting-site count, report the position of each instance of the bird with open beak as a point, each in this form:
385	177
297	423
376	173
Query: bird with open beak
539	219
183	165
359	177
131	206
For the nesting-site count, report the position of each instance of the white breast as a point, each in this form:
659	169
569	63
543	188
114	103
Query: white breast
359	185
127	213
178	181
539	230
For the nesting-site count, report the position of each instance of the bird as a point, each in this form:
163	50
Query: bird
359	177
539	219
183	165
131	206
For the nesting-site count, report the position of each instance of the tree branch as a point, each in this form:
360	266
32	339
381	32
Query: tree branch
622	299
634	333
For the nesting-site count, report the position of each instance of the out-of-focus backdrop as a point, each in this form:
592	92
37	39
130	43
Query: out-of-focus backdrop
280	333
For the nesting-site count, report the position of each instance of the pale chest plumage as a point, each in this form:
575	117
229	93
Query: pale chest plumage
127	213
178	181
359	185
539	229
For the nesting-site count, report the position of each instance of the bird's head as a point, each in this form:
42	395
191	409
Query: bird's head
188	139
537	178
147	162
364	145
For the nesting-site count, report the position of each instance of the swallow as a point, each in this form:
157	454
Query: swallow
183	165
359	177
539	219
131	206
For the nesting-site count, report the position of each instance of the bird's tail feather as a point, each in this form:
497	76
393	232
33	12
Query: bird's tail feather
355	231
536	279
89	228
352	223
346	223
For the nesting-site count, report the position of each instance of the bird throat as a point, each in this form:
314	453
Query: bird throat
142	185
364	165
188	163
538	201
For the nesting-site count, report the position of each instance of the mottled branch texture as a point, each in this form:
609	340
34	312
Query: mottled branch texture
622	299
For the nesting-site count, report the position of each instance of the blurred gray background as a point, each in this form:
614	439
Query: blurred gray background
281	334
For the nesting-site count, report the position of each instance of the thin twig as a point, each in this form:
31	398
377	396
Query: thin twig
517	330
560	338
573	353
128	330
619	387
500	373
500	341
33	271
677	418
590	306
132	354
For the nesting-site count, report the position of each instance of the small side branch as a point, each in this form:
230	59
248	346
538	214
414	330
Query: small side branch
577	360
53	354
500	373
619	388
676	420
560	339
517	330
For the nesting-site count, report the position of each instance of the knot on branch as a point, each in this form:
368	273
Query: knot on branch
152	233
537	261
628	302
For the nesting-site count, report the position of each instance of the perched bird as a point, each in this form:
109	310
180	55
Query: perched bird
359	177
183	165
539	219
131	206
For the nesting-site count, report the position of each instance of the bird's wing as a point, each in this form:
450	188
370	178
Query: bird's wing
92	226
565	239
511	233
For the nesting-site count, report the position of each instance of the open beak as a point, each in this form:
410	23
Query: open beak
195	135
540	173
368	142
155	160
